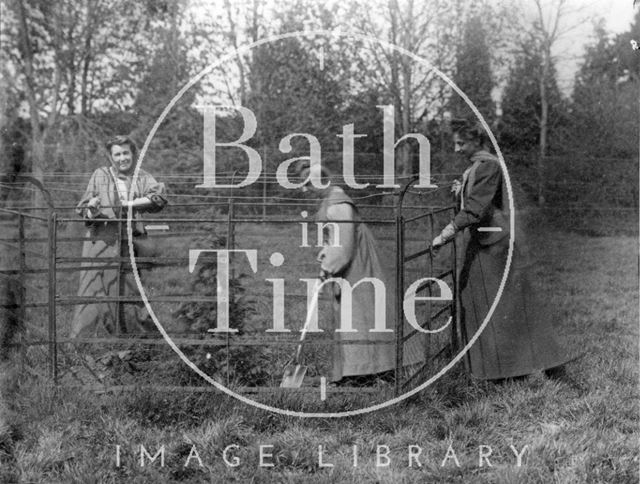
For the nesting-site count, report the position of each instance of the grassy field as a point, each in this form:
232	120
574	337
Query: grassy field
580	427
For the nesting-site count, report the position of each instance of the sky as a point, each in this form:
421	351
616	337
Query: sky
618	15
569	50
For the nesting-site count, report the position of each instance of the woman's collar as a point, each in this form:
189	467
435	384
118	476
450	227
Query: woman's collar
481	155
118	174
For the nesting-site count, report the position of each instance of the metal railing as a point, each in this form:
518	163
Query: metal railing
56	264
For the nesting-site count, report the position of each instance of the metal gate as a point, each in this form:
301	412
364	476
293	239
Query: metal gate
436	345
441	340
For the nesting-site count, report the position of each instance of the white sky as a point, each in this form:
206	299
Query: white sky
618	15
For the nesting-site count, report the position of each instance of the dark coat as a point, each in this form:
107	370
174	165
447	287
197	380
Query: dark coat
519	337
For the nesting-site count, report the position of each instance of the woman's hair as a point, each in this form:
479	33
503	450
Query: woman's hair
300	166
119	141
471	131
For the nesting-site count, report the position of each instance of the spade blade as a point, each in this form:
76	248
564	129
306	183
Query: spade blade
293	376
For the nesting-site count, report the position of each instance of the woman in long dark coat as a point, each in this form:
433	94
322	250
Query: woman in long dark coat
520	338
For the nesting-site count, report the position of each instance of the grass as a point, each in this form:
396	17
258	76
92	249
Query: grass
582	427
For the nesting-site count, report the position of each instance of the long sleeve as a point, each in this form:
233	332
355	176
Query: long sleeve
479	202
336	257
154	191
97	187
90	192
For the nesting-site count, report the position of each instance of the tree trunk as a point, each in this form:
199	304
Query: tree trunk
37	165
233	37
405	147
544	119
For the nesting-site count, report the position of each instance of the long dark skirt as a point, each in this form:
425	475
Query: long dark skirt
520	338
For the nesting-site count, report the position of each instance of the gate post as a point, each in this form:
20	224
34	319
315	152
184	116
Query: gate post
53	344
432	230
456	299
399	292
264	185
22	289
230	244
119	319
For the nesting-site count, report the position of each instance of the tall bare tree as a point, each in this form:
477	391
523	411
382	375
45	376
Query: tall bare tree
63	58
44	100
553	20
425	29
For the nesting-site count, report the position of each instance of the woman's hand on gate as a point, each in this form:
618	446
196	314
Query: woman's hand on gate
448	233
93	207
456	186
